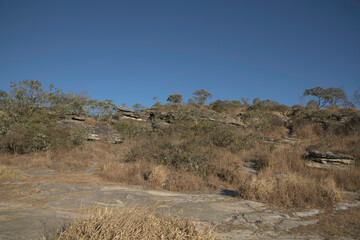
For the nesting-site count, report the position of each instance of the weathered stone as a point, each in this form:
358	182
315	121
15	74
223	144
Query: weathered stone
250	167
333	161
327	159
309	213
79	118
262	218
127	112
47	204
328	155
288	224
96	131
93	137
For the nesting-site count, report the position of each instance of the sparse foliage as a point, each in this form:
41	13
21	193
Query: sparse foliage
201	96
332	96
138	107
245	101
256	101
312	104
175	98
356	98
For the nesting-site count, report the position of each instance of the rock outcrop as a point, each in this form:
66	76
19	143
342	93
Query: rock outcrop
97	131
325	159
79	118
129	113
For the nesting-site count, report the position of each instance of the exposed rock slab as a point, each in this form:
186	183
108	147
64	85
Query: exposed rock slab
327	159
52	203
328	155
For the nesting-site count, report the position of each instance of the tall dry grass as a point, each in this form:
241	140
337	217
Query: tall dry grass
291	190
8	174
67	160
133	224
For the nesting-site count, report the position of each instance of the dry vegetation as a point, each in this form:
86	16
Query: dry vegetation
202	155
186	148
128	224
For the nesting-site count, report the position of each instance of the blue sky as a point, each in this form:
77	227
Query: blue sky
132	51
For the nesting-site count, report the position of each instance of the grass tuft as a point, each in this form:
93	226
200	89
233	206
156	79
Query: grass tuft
136	223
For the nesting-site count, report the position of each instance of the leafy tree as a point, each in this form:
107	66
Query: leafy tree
332	96
102	109
201	96
312	104
23	99
318	92
175	98
335	96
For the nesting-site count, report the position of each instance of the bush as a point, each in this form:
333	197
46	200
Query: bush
78	136
133	128
225	106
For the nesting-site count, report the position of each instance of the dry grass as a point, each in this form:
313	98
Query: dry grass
75	159
338	225
7	174
291	190
133	224
285	180
125	173
278	131
308	130
222	171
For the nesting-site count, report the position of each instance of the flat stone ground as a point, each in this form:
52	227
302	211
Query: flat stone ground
35	207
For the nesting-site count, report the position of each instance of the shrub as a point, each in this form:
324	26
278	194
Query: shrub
133	128
225	106
78	135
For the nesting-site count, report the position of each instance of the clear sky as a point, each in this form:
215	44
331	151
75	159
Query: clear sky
132	51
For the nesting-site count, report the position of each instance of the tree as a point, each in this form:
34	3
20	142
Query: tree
356	98
332	96
191	102
312	104
256	101
318	92
335	96
245	101
175	98
201	96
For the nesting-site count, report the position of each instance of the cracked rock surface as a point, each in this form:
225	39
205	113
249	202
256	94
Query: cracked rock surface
40	207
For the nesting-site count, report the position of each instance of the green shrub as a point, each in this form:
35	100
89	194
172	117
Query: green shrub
78	136
133	128
225	106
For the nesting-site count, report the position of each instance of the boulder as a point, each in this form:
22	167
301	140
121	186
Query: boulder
93	137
